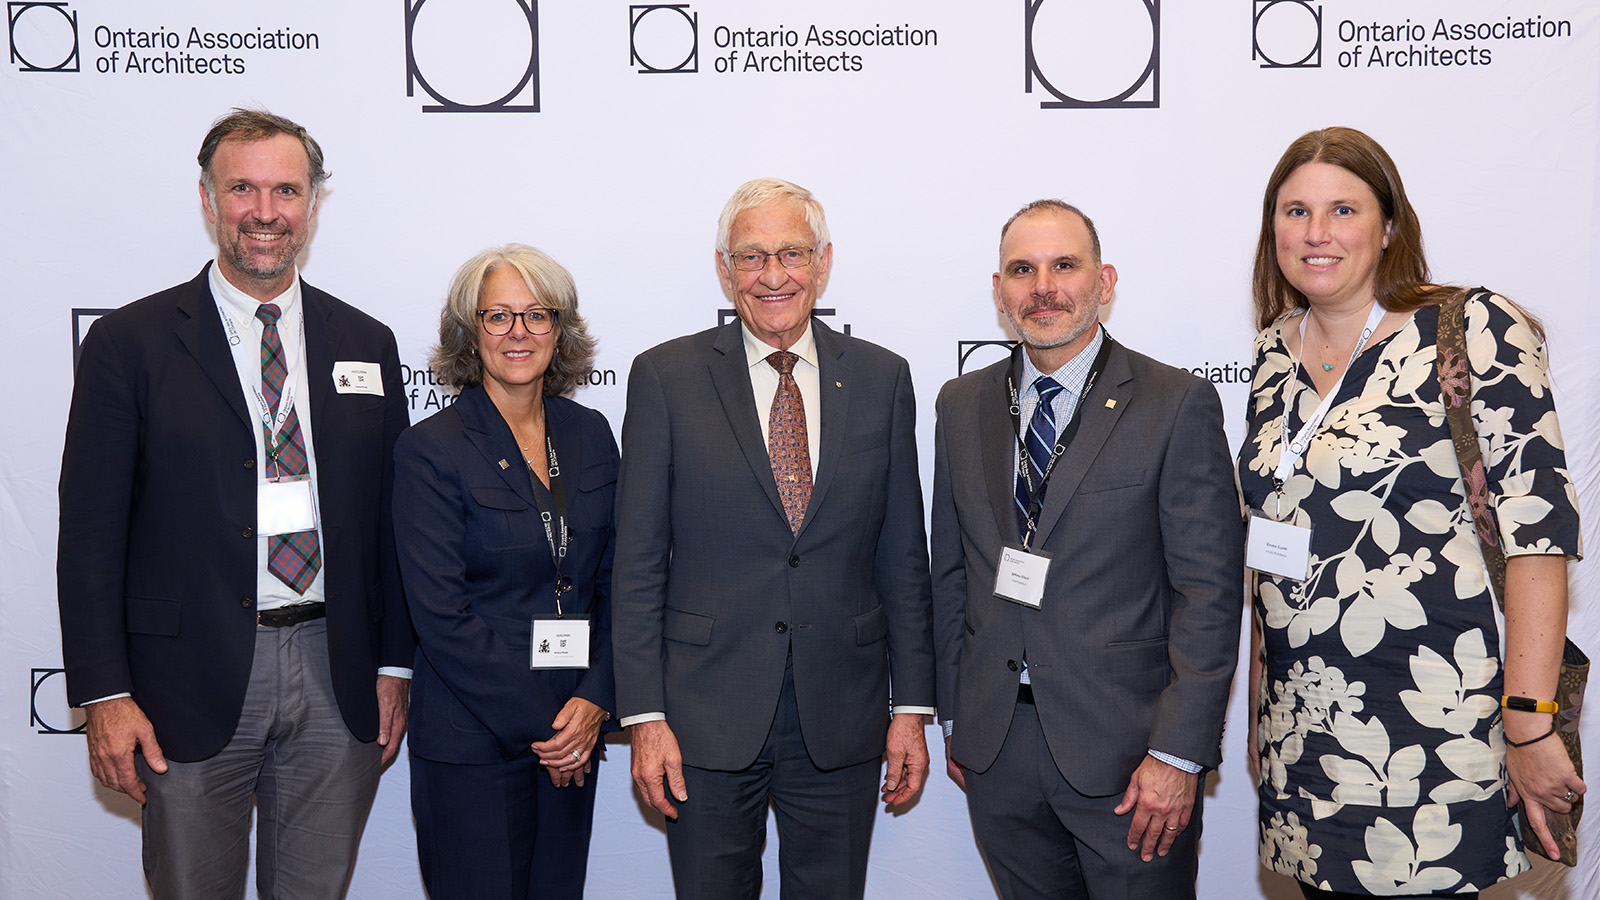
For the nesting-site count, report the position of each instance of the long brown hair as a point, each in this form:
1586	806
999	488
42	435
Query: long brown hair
1401	281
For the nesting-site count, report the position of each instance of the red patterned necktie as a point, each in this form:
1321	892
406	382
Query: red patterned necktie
787	442
293	558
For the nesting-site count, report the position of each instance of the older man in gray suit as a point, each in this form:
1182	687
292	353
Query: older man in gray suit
1087	559
770	579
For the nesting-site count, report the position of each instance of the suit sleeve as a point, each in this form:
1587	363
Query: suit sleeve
490	678
98	467
949	570
598	685
902	559
1203	542
398	645
644	544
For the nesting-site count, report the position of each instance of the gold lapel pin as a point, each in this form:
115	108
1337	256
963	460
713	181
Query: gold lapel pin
504	464
838	384
1111	403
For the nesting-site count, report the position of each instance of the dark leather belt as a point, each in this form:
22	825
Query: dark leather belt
1025	694
284	616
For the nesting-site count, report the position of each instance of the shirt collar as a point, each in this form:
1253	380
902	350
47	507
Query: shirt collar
242	306
1073	372
757	351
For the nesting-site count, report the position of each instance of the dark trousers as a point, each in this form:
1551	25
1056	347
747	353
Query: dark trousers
1045	841
500	831
824	822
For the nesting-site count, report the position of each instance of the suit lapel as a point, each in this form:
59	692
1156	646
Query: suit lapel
322	348
490	434
1095	425
834	381
997	437
730	375
202	335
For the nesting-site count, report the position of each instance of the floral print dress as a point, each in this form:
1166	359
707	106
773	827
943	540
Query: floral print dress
1383	761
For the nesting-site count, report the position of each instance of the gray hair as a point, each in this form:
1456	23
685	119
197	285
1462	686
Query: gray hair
455	360
1054	206
767	192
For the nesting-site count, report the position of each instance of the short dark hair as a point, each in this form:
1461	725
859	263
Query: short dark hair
258	125
1056	206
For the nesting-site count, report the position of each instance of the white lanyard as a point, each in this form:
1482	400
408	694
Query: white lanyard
1302	439
273	424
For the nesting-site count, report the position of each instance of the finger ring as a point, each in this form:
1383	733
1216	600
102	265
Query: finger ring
577	754
1172	828
1570	795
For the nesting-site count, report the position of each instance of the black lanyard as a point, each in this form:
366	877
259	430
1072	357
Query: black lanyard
555	521
1063	439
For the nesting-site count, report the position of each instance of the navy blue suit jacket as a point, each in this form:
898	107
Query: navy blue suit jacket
156	567
477	567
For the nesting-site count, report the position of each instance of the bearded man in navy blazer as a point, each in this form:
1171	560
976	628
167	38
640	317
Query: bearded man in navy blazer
1087	592
770	581
231	616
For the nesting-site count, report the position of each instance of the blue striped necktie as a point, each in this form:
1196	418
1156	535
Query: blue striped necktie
1041	440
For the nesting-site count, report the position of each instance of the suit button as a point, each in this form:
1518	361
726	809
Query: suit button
247	532
781	627
250	463
794	562
1011	664
245	602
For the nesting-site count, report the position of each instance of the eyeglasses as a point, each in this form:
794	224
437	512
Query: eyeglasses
756	260
500	321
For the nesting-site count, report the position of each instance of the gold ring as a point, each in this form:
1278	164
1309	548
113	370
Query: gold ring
1172	828
577	754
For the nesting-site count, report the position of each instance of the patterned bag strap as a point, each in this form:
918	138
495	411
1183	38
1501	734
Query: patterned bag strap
1455	384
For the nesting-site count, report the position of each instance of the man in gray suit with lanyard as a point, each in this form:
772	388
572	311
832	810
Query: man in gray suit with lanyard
1087	574
770	580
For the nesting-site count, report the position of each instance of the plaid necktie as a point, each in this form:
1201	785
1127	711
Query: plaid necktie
293	558
787	443
1041	441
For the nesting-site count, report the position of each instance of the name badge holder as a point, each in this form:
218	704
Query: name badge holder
1020	572
285	503
1273	544
560	641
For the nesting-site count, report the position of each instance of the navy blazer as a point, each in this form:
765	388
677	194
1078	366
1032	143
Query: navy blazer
156	569
476	567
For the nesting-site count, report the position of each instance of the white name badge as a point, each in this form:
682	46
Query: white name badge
358	378
1278	548
285	506
560	643
1020	576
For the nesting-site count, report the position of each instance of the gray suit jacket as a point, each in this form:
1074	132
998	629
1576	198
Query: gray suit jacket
710	589
1135	645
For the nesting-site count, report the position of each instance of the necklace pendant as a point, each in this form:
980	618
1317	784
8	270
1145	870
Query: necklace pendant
1327	367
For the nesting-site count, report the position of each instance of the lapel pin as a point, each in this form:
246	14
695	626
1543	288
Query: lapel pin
1111	403
504	464
838	384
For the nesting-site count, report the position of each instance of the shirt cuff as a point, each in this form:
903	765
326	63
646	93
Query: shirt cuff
1178	762
625	721
105	698
396	671
912	711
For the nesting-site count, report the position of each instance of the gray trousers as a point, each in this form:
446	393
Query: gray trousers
311	784
1045	841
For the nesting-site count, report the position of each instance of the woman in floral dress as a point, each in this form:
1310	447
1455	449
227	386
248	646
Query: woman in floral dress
1381	743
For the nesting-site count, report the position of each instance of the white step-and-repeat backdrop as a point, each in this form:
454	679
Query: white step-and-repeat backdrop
610	133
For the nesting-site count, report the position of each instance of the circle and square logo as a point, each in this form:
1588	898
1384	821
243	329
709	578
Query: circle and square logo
664	39
1286	34
474	55
48	711
1100	54
974	355
43	37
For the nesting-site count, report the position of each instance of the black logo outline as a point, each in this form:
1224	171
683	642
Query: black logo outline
15	11
690	63
528	81
728	314
38	677
965	349
1151	74
79	329
1312	59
